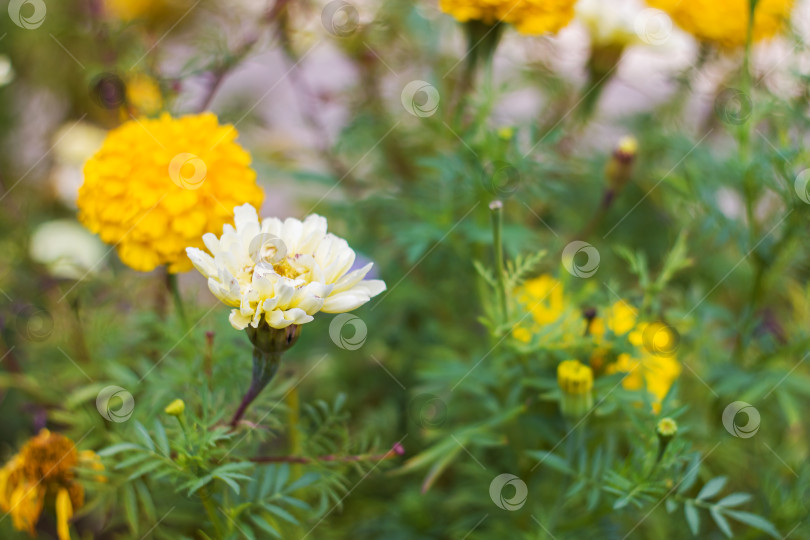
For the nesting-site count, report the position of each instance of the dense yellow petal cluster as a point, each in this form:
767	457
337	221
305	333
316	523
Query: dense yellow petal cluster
726	23
157	185
44	470
528	16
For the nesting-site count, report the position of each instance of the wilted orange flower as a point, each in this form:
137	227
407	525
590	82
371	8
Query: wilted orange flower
43	473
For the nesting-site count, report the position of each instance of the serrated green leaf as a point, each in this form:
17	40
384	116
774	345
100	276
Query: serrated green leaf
691	475
161	439
265	526
552	460
143	436
712	488
753	520
118	448
721	521
145	468
692	517
283	514
228	480
735	499
130	507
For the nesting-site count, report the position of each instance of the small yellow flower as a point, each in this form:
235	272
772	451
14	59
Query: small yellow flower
44	470
175	408
726	23
528	16
619	318
654	373
574	377
157	185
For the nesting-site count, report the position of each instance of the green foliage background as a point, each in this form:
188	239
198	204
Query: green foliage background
438	372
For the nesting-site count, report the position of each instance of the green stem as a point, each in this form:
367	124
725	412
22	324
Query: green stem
497	244
265	366
211	511
174	287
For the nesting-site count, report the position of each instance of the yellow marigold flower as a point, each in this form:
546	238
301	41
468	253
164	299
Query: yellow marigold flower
157	185
726	23
528	16
44	470
574	377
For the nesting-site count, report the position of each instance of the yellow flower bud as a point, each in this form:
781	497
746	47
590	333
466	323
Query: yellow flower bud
576	382
666	428
574	377
175	408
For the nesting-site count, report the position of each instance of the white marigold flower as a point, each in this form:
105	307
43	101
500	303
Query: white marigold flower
282	271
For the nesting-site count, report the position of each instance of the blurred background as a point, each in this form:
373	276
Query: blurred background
363	112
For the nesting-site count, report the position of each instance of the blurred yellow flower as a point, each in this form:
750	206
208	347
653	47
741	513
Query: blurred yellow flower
651	364
528	16
619	318
653	373
44	470
143	95
149	10
544	299
726	23
157	185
